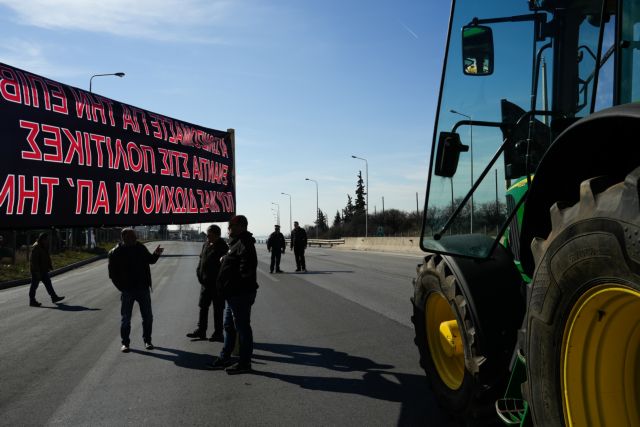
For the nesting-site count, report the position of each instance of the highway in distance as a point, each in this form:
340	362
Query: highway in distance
333	346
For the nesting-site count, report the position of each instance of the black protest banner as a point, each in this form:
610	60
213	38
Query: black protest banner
73	158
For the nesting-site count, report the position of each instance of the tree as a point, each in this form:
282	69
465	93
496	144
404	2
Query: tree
321	222
337	220
348	212
360	206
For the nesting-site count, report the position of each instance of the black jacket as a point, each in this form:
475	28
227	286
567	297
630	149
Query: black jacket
238	270
276	242
209	264
129	266
40	261
298	238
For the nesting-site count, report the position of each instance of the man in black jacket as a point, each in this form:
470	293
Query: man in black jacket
208	267
299	244
237	283
130	273
276	245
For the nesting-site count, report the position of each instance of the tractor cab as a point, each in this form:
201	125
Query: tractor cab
516	75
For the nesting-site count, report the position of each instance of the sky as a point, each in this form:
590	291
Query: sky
305	85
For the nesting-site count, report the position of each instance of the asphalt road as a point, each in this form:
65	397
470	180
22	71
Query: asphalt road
333	346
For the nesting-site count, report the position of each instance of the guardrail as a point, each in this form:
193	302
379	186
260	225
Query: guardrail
321	242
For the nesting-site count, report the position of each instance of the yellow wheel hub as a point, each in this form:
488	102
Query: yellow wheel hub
443	338
600	358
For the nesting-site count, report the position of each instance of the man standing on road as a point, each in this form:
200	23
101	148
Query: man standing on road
237	282
299	244
40	266
208	267
130	273
276	245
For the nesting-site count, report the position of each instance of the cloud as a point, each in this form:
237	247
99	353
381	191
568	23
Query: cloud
153	19
32	57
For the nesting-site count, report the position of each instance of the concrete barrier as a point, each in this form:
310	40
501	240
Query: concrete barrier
382	244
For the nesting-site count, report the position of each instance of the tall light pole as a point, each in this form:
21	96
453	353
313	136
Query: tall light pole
471	155
119	74
290	226
366	168
317	209
278	217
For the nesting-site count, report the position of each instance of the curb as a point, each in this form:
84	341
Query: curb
20	282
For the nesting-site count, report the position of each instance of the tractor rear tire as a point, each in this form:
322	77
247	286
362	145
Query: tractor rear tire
583	318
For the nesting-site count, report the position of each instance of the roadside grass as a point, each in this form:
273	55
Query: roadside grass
20	270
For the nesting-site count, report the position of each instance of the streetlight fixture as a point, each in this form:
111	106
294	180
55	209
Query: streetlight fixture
471	155
290	226
119	74
278	217
317	209
366	222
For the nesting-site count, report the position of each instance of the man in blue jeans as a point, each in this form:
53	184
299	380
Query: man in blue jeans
237	284
130	273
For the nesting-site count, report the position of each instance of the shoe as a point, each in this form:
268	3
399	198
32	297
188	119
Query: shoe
278	271
218	364
217	337
56	299
148	346
304	270
124	348
237	368
198	334
297	269
34	303
271	271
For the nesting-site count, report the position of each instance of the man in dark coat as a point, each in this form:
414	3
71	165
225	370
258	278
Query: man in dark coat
40	266
208	267
276	245
299	244
129	271
237	282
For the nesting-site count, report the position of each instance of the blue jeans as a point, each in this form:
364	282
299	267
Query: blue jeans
237	317
35	281
143	297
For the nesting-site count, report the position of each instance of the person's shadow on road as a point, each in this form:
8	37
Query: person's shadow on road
184	359
66	307
377	380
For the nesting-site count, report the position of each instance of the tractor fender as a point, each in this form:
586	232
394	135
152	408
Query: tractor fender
601	144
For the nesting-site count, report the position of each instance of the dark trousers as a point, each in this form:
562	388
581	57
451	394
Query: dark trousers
35	281
237	320
209	296
275	259
299	254
143	297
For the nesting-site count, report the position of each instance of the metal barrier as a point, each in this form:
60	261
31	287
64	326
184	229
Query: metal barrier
321	242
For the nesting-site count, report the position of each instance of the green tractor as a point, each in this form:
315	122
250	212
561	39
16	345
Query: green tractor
527	306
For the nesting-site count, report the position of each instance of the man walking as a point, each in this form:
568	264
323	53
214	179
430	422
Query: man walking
40	266
237	282
276	245
130	273
299	244
208	267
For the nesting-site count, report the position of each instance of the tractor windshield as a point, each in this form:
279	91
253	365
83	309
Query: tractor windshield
499	111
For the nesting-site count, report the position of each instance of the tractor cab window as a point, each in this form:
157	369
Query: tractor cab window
630	53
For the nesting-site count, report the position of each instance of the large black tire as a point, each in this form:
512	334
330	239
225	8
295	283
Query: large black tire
583	318
485	300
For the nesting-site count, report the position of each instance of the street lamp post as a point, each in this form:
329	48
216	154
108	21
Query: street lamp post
278	217
119	74
317	209
290	226
366	168
471	156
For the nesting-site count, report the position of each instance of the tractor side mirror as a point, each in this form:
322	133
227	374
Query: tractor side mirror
448	153
477	50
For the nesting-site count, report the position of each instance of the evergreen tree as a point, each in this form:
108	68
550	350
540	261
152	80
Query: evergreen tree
360	206
337	220
321	222
348	212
